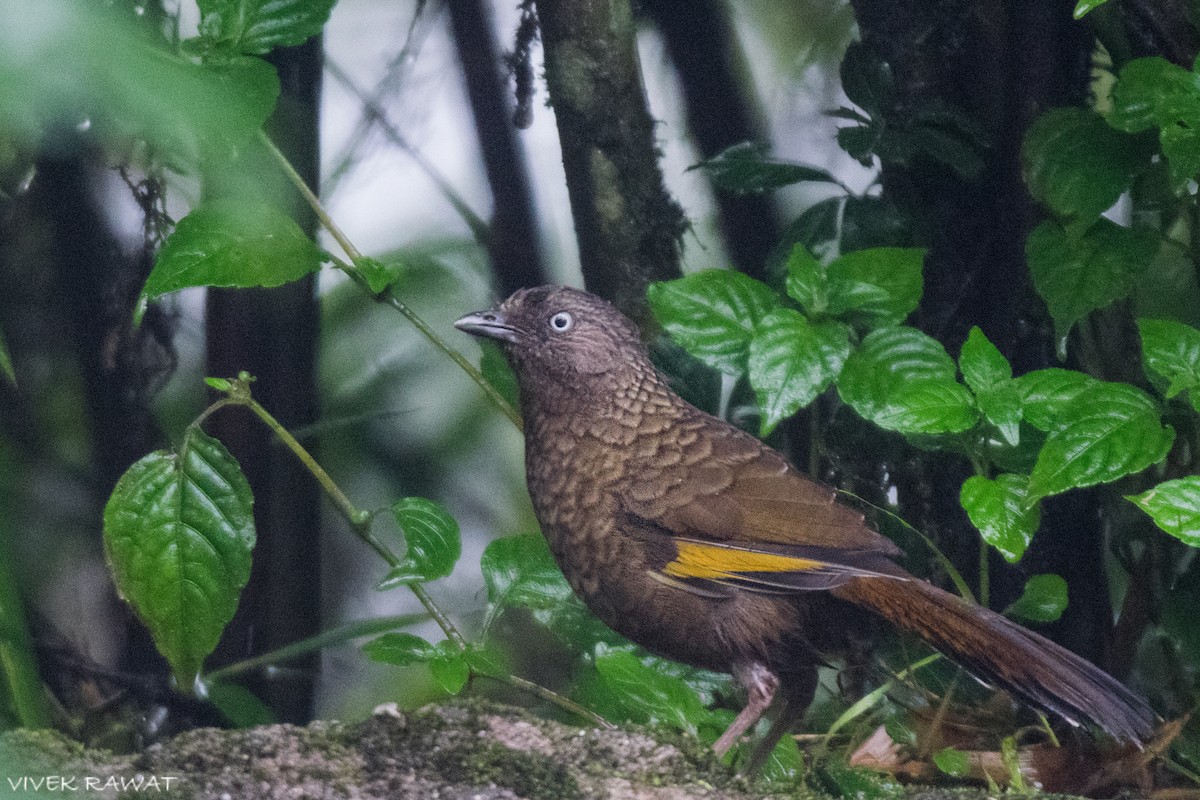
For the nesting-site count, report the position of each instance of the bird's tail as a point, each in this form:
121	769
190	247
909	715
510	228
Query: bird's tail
1004	654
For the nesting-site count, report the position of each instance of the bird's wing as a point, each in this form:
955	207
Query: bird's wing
743	516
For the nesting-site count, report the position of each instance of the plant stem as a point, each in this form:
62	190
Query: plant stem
318	209
438	615
934	729
1179	769
360	522
198	421
20	682
557	699
985	579
342	633
873	697
390	298
387	295
985	575
343	504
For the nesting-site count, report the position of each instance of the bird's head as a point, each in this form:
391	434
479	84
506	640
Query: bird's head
558	334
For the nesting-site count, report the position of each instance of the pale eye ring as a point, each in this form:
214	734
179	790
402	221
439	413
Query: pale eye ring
561	322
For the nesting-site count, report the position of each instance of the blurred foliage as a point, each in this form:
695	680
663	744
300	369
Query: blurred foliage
823	335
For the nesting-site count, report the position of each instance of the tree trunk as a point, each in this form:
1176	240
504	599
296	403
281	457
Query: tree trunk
627	224
721	111
512	234
273	334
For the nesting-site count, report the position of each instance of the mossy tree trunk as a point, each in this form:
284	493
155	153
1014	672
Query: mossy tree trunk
627	224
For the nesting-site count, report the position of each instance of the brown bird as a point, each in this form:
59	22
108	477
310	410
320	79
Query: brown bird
700	543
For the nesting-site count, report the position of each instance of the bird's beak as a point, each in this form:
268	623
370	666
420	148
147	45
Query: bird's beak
488	325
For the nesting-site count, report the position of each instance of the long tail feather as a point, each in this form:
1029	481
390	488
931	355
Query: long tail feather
1004	654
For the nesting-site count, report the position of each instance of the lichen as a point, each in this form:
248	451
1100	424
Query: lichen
529	774
465	749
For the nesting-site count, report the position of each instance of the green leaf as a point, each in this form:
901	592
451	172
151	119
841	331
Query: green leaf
520	571
785	763
899	727
792	361
946	136
178	531
855	783
258	26
1044	599
1171	350
807	281
843	225
929	407
1077	164
1001	406
1112	430
434	544
745	169
883	283
713	314
1169	288
989	374
860	142
378	275
485	660
1154	93
6	365
903	380
1175	507
954	763
1181	147
1002	512
449	667
1047	396
240	706
916	134
1085	6
220	384
647	695
1078	273
400	649
866	79
232	243
71	62
983	366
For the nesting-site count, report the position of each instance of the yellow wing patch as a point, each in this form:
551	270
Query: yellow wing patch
700	560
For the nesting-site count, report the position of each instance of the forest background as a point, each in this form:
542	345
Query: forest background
956	245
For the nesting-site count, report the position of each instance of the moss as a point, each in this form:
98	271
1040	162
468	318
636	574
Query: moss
177	792
529	775
32	749
464	747
48	752
697	761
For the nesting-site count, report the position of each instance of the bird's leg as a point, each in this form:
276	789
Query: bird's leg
761	683
797	689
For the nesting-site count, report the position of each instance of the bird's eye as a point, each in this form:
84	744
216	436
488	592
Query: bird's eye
562	322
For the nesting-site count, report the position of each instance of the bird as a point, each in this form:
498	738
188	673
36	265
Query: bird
702	544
